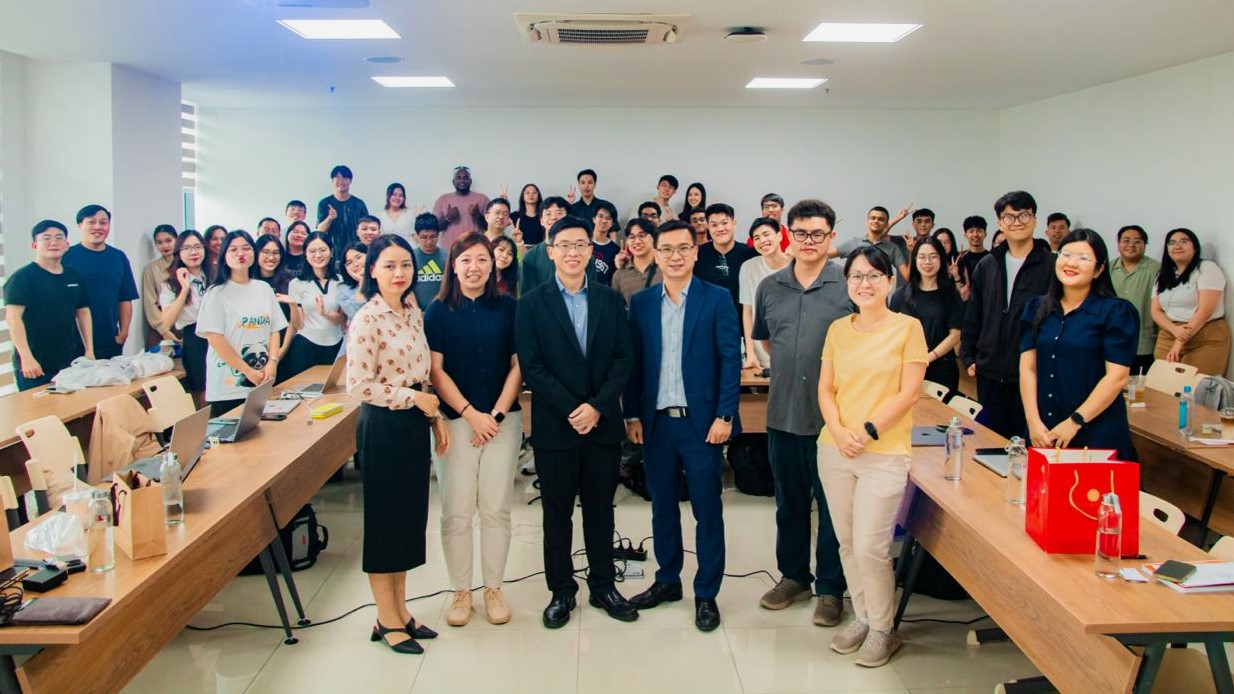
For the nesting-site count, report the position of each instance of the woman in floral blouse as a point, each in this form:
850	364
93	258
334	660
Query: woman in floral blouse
387	367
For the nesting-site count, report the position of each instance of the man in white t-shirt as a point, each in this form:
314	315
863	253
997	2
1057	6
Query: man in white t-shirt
765	233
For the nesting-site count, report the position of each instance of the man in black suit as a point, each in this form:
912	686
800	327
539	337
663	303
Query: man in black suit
574	348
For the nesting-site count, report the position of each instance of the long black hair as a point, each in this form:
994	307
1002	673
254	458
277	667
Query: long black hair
522	202
369	287
508	276
1169	276
346	276
173	282
685	206
328	270
279	280
222	273
1101	286
912	290
947	256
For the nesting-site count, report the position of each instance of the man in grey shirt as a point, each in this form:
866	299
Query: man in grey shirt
793	308
877	234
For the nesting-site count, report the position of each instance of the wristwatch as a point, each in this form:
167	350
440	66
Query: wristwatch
499	416
727	419
1078	419
871	430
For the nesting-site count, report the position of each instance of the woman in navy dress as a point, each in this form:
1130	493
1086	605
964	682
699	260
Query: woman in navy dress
1077	342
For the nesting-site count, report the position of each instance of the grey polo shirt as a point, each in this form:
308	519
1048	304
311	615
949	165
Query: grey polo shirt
887	245
795	321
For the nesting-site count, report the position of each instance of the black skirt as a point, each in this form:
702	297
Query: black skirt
304	354
395	446
193	358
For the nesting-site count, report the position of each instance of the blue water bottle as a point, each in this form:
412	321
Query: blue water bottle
1186	423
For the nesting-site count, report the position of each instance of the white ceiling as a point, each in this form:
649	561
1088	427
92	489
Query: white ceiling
982	54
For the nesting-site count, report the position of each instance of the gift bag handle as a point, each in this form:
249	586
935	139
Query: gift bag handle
1071	494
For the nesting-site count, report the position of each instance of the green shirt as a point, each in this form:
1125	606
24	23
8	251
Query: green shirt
1137	287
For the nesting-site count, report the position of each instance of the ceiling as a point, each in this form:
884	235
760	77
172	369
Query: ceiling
970	54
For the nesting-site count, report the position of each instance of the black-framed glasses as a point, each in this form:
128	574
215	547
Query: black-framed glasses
1023	217
800	235
668	252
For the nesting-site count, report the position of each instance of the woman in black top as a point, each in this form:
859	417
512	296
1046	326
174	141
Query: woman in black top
931	297
293	251
527	219
506	254
951	261
270	267
214	241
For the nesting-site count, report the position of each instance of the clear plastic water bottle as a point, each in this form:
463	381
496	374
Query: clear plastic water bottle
1109	536
1186	419
173	491
955	450
101	550
1017	470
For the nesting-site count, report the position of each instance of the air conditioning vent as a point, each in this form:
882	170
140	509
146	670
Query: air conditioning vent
600	29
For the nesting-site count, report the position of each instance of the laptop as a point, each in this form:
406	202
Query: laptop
332	380
995	459
188	442
231	430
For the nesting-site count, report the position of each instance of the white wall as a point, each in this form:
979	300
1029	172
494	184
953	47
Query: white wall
1155	150
13	157
253	161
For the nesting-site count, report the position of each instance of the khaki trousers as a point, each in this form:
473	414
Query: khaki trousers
1208	350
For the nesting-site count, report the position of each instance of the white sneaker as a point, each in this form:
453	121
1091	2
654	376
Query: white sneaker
850	637
878	648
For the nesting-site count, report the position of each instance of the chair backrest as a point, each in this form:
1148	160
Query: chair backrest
934	390
1170	377
169	403
1223	549
55	456
1161	512
965	406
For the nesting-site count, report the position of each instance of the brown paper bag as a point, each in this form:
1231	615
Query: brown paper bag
6	545
141	527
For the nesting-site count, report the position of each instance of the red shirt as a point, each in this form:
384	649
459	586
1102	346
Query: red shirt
783	239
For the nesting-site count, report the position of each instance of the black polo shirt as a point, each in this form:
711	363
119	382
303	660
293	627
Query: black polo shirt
476	341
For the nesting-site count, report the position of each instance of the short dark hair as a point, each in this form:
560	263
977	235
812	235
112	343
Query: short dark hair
720	208
923	212
669	179
368	287
1132	227
341	170
672	225
879	208
696	210
370	219
771	197
567	222
497	201
811	207
296	203
1058	217
164	229
1018	199
45	225
643	225
264	220
555	201
585	172
875	256
608	207
764	222
974	222
90	211
426	221
653	205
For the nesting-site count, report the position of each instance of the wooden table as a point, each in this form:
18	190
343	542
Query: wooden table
1075	627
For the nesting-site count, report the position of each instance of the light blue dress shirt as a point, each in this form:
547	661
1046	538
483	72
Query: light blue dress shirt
576	306
672	391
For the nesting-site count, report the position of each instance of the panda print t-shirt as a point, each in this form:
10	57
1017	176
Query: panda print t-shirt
245	315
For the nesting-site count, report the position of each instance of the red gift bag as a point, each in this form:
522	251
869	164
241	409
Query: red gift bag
1065	487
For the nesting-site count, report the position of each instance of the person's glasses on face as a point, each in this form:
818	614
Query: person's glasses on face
667	252
52	238
566	246
190	248
855	279
239	250
269	253
800	235
638	236
1068	256
928	258
1178	243
317	251
1012	217
1128	241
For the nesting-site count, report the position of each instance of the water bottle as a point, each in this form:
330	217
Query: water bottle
100	552
1186	421
1017	470
173	490
1109	536
955	450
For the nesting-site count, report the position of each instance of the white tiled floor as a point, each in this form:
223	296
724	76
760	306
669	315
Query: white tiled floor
755	650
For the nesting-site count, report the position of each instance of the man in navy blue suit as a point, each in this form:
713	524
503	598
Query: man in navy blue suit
681	403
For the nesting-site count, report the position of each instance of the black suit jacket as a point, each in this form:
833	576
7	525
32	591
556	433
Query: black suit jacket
560	377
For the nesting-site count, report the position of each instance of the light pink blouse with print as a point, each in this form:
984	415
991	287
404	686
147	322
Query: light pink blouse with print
387	354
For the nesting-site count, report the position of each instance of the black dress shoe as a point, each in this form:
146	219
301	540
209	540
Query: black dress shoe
419	631
656	594
558	611
706	614
614	604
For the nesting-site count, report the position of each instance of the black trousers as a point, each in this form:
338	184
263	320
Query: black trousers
588	472
1001	407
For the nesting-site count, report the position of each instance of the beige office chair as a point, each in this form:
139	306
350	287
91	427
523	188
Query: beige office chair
56	461
1223	549
934	390
1161	512
965	406
1170	377
169	402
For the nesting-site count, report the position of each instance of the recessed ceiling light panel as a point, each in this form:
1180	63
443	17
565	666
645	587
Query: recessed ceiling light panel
847	32
785	82
335	29
409	82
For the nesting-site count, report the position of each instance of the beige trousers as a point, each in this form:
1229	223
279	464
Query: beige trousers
863	496
478	479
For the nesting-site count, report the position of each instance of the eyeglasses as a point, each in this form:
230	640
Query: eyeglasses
871	278
1131	241
269	253
566	247
638	237
195	247
237	250
1023	218
1178	243
316	251
1082	258
800	235
668	252
931	258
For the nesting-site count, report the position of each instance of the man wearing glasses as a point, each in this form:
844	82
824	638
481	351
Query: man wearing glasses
573	345
1001	285
720	261
685	410
793	308
1133	275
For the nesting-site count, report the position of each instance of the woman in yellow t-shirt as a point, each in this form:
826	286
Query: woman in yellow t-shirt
873	365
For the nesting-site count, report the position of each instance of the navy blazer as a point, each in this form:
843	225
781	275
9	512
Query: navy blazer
711	356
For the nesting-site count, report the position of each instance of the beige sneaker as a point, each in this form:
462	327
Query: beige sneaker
828	611
850	637
877	649
785	593
495	606
460	609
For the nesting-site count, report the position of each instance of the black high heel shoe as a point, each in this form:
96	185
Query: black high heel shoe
419	631
408	647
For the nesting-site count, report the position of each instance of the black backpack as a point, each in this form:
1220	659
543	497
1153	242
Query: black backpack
751	463
303	539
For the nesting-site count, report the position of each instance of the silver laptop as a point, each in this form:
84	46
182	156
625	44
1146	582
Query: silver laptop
332	380
231	430
996	459
188	442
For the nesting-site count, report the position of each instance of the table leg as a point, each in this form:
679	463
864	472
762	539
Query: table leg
1220	665
284	567
1214	490
267	567
1154	653
8	675
910	582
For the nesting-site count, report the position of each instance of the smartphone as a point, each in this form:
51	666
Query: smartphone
273	417
1174	571
58	391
